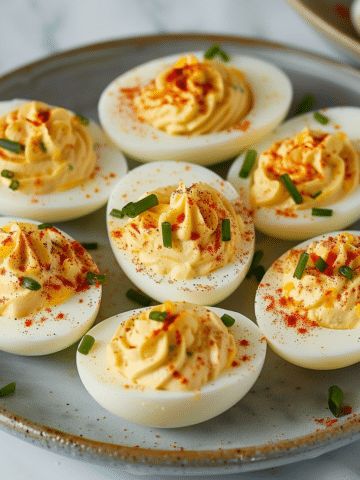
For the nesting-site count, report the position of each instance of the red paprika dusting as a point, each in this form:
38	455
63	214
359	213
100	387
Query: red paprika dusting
244	343
43	116
28	322
60	316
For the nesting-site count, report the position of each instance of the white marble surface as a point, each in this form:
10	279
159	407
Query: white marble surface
30	29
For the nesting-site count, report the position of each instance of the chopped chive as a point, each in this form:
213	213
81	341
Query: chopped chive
133	209
346	271
30	283
42	226
228	320
335	400
216	51
8	389
95	278
42	147
166	234
315	195
14	147
83	120
258	255
320	264
291	188
319	117
70	167
14	184
249	162
321	212
258	272
86	344
117	213
158	316
300	267
306	104
7	173
225	230
90	245
138	297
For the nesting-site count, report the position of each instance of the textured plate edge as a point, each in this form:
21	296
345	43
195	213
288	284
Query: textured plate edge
246	458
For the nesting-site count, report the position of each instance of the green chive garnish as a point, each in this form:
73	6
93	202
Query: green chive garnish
306	104
83	120
258	272
30	283
166	234
42	226
225	230
249	162
14	184
138	297
14	147
258	255
7	173
315	195
86	344
335	400
95	278
133	209
320	264
8	389
117	213
300	267
158	316
90	245
42	147
321	212
216	51
291	188
319	117
346	271
228	320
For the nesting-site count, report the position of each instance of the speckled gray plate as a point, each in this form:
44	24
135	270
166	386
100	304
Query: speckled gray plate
276	422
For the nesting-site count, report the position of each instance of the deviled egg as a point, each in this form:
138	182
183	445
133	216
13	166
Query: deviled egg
172	365
303	179
54	165
308	303
355	14
180	231
188	108
50	288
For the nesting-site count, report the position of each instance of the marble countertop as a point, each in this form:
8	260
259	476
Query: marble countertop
31	29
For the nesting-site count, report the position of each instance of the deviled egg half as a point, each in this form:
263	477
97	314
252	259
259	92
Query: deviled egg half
308	303
189	108
50	288
355	14
54	165
180	231
172	365
303	179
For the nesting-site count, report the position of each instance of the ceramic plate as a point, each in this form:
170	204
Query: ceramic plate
281	419
332	19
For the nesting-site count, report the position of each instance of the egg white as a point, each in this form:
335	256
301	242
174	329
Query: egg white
169	409
305	225
53	334
204	290
355	14
319	348
272	94
75	202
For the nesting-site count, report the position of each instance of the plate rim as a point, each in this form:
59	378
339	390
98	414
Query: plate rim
332	32
64	442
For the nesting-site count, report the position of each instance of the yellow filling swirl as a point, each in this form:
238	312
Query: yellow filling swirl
195	215
324	167
185	351
194	98
57	264
56	149
328	298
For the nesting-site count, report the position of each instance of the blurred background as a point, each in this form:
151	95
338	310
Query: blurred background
31	29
